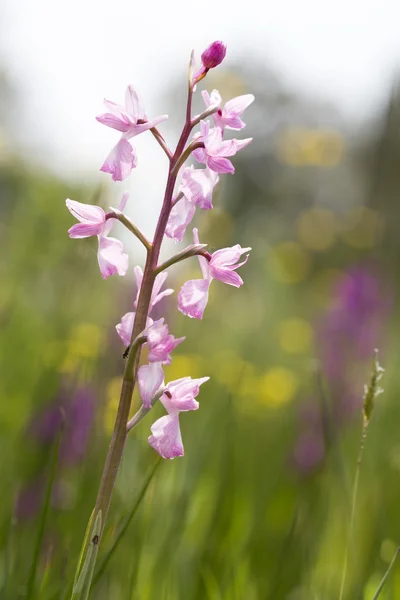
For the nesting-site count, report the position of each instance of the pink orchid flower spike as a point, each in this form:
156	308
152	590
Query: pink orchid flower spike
130	120
110	255
229	115
193	297
178	396
216	150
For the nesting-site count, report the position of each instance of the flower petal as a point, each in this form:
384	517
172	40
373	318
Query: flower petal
179	218
166	437
111	258
198	185
133	103
203	262
85	213
121	160
114	122
193	298
150	379
239	104
125	327
220	165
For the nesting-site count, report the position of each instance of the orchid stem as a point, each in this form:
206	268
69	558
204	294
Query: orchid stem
204	115
117	214
196	250
120	431
185	155
160	139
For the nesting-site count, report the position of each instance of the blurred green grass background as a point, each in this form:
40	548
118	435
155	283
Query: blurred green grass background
259	507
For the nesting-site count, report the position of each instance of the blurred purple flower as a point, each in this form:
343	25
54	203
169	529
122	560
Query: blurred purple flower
346	335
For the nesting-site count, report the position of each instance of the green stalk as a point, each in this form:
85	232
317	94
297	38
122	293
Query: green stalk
353	507
386	575
30	593
124	527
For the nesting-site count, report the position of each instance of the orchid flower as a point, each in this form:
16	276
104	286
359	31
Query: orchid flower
179	396
197	187
228	116
216	150
130	120
110	255
125	326
161	343
193	297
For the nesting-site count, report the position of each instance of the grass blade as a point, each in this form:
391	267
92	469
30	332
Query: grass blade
386	575
125	524
42	523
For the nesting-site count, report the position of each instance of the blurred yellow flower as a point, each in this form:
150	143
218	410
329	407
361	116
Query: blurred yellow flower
317	228
295	335
310	147
289	262
184	365
363	227
277	386
84	343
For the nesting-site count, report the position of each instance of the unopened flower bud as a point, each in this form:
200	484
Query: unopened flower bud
213	55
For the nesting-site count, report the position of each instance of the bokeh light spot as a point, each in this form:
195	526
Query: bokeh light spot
316	229
310	147
277	386
295	335
363	228
289	263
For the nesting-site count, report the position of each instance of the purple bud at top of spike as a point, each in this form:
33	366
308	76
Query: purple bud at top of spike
213	55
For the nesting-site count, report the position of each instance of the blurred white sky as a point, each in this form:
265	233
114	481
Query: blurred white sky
65	56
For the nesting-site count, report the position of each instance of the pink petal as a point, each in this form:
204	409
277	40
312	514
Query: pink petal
166	438
197	186
203	262
180	216
150	379
124	200
116	109
111	257
227	276
114	122
85	213
83	230
92	219
193	298
156	295
142	127
238	105
125	327
200	155
121	160
139	278
227	256
213	141
220	165
234	122
133	103
240	144
182	394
